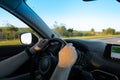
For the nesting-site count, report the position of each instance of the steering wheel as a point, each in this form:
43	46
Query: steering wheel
47	63
62	42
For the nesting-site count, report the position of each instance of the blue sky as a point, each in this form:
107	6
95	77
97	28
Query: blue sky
77	14
7	18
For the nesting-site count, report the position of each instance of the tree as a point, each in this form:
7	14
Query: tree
1	34
77	33
13	30
108	31
70	32
9	32
60	29
92	30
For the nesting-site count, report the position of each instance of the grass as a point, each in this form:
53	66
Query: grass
91	37
10	42
17	41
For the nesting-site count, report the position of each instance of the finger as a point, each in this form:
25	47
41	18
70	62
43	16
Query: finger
70	44
41	44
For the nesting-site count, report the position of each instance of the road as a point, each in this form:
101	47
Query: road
113	40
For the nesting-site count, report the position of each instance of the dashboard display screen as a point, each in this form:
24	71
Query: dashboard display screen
115	52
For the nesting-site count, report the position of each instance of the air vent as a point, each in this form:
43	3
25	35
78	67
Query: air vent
101	75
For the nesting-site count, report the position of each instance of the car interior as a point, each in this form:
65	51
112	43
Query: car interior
95	58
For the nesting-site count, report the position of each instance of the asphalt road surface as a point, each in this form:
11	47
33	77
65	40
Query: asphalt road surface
113	40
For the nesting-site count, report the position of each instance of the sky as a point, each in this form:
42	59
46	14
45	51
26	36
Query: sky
7	18
77	14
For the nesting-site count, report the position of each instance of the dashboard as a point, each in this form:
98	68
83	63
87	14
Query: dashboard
99	59
102	60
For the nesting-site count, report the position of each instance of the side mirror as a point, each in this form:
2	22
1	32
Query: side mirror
28	38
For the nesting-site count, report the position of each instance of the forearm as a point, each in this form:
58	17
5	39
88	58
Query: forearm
60	73
9	65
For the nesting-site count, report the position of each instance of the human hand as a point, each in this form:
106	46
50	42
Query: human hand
67	56
39	45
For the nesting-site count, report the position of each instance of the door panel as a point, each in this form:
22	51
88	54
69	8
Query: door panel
8	51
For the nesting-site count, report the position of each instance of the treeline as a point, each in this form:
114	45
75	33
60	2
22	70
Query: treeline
10	32
61	30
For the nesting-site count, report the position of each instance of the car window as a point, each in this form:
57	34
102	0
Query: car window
10	29
95	20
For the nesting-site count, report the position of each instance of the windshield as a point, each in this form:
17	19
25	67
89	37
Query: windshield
98	20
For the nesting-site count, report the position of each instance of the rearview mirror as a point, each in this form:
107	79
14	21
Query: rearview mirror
118	0
28	38
88	0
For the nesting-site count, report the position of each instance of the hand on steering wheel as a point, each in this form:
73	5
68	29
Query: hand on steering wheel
67	56
39	46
